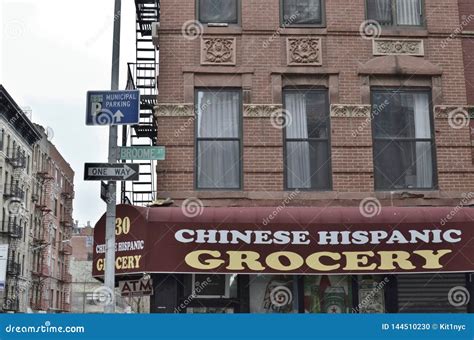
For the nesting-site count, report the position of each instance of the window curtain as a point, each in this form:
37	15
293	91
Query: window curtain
408	12
218	160
297	153
381	11
303	11
424	169
218	11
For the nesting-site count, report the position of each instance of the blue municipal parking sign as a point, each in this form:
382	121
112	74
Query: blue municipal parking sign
113	107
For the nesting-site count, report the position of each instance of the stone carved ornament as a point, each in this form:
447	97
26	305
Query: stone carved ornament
398	47
350	111
218	51
304	51
261	110
174	110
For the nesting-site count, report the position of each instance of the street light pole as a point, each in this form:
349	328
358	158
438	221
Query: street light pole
109	279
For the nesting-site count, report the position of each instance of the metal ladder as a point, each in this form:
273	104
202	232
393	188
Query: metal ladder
142	75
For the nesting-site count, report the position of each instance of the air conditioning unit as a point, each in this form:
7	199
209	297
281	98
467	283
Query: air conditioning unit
154	33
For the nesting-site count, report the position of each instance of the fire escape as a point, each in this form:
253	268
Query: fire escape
143	76
11	228
65	249
41	240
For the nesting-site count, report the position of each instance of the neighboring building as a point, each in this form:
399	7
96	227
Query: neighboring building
17	139
53	194
38	190
336	101
88	294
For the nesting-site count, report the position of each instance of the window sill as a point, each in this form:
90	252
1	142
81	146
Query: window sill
408	193
404	32
230	30
304	30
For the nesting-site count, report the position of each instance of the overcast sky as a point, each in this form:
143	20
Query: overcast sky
51	53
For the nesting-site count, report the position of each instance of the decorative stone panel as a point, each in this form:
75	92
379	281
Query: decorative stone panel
350	111
452	111
174	110
413	47
218	51
303	51
261	110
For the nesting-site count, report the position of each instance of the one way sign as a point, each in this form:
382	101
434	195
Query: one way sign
111	172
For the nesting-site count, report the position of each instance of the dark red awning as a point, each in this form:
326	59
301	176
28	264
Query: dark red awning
299	240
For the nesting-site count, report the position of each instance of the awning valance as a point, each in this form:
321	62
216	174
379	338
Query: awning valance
299	240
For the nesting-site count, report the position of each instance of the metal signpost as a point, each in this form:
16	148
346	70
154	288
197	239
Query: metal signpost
109	276
104	188
112	108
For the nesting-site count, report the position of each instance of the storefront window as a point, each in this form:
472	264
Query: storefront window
214	286
273	294
372	294
327	294
209	310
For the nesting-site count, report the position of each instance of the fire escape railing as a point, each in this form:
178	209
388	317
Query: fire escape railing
143	76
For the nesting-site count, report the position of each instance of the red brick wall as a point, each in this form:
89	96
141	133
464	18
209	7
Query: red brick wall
343	50
80	250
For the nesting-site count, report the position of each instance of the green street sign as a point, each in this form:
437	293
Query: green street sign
142	153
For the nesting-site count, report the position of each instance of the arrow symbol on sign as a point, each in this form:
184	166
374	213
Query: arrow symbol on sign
118	116
130	171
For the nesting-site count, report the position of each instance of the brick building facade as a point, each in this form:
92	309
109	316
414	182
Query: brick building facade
349	66
17	139
342	102
52	198
38	190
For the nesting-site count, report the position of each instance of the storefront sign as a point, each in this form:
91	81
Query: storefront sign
297	241
136	287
